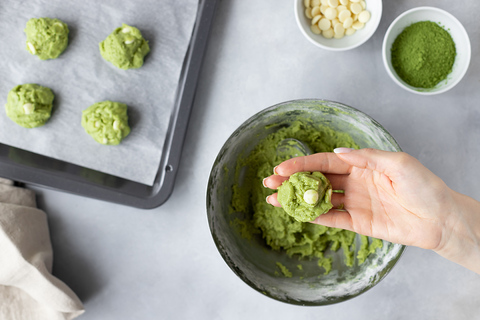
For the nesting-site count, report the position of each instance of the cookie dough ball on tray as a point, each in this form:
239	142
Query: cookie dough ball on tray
125	48
306	195
106	122
47	38
29	105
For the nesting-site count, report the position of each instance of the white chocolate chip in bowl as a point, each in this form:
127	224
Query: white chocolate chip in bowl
343	15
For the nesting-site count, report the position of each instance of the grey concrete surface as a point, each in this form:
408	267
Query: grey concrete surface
126	263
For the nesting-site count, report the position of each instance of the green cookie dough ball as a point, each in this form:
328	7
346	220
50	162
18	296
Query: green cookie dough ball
305	195
125	48
106	122
29	105
47	38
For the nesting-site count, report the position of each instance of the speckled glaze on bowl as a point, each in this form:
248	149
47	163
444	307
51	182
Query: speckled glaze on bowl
252	260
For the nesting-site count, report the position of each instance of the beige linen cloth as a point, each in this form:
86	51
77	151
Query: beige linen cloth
28	290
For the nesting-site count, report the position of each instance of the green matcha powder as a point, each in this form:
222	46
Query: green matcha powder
423	54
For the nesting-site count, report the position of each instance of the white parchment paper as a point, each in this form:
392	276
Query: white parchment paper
80	77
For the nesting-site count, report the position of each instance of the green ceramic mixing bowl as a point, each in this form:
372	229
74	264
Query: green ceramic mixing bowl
252	260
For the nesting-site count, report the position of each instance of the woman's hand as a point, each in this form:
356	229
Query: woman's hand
391	196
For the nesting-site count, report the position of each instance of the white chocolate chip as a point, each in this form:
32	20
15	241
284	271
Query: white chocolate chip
308	13
323	8
315	11
339	29
350	31
324	24
339	36
105	140
343	15
116	125
358	25
344	2
364	16
324	2
354	1
98	124
341	8
316	19
348	23
356	8
315	3
333	3
335	22
31	47
364	4
328	33
28	108
310	196
330	13
128	30
315	29
305	2
129	41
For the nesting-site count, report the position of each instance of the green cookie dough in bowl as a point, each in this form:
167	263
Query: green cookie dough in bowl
29	105
125	48
306	195
288	260
106	122
47	38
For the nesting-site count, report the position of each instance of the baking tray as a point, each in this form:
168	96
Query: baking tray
28	167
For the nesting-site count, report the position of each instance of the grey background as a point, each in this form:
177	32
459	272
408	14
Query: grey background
126	263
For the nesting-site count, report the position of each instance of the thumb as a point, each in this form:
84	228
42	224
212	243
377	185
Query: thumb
387	162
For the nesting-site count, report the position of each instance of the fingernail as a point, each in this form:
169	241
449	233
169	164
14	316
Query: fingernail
263	182
342	150
266	199
275	170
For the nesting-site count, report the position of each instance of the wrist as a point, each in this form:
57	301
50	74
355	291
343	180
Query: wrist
461	233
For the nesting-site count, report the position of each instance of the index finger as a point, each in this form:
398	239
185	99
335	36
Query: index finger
325	162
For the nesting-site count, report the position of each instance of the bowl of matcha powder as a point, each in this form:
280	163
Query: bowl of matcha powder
426	51
291	261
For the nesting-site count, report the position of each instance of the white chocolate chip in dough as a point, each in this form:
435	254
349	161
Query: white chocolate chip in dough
31	47
126	30
364	16
130	41
328	33
310	196
116	125
105	140
28	108
324	24
98	123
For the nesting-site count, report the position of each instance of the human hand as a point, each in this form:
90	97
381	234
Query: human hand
392	196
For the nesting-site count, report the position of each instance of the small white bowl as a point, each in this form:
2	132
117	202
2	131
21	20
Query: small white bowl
452	25
347	42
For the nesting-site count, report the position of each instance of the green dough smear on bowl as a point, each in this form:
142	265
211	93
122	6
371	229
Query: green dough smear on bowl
29	105
47	38
306	195
125	48
281	231
106	122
